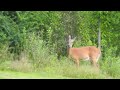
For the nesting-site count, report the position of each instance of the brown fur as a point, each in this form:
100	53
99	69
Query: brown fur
90	53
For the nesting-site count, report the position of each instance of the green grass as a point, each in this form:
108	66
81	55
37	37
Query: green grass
28	75
56	71
64	69
52	73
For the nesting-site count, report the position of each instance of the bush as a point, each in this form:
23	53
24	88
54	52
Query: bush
37	52
111	66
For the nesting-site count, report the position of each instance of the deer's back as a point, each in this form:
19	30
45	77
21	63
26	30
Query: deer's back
85	53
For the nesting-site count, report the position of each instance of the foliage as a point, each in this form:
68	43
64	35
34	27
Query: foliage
40	37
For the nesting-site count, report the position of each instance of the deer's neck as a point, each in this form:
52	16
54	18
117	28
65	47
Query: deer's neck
68	51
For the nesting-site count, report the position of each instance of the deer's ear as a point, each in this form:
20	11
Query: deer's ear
73	39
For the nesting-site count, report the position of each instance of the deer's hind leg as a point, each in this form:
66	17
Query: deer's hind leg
94	63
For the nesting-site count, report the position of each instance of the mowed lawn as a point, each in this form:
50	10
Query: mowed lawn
28	75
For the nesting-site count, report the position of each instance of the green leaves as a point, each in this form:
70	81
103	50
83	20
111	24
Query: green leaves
54	26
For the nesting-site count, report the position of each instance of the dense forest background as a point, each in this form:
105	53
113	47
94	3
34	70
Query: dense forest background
43	34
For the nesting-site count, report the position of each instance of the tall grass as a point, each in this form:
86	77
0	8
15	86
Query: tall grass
5	57
110	64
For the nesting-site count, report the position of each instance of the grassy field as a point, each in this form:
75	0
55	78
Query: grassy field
64	69
28	75
55	71
87	74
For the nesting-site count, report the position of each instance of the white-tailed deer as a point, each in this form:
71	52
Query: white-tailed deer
90	53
